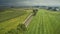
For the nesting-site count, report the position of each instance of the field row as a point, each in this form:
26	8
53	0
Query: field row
45	22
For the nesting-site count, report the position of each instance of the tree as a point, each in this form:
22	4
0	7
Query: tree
35	11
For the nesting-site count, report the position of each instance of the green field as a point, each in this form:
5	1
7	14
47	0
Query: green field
45	22
11	18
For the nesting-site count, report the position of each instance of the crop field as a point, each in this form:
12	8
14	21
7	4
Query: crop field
45	22
9	19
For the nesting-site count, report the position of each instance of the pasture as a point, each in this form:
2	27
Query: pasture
10	18
45	22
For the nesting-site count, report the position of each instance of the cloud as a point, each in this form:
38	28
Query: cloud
29	2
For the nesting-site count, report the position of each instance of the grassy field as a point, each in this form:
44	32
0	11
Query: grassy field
45	22
9	19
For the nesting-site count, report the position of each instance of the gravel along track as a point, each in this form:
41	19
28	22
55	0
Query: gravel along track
28	19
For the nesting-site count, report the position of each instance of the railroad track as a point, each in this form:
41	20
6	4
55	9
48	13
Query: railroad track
28	19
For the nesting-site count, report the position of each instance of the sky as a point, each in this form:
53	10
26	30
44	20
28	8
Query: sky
30	2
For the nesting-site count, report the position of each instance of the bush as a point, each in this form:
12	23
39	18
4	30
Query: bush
49	8
35	11
22	27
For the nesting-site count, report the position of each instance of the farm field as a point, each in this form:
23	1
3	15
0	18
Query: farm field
45	22
10	18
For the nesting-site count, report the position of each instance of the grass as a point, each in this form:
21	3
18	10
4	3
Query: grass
9	19
9	14
45	22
